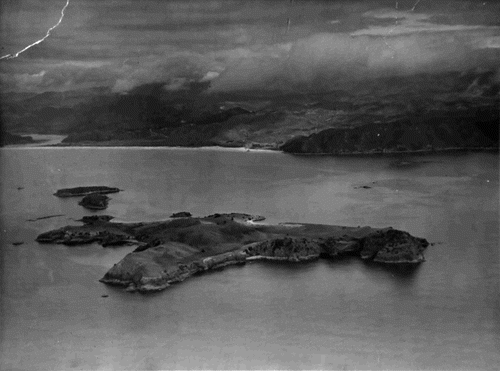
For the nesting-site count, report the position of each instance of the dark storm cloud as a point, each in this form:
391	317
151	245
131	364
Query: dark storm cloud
241	45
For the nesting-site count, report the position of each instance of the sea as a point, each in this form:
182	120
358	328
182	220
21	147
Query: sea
329	314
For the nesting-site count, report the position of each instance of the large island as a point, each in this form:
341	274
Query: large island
172	250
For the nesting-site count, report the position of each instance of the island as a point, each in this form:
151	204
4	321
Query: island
172	250
84	191
95	201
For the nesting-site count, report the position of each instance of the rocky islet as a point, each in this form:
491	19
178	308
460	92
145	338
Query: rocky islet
94	197
94	201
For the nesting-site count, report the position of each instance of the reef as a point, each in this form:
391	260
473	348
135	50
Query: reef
172	250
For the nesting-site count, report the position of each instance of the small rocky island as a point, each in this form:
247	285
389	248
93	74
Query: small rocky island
181	214
84	191
172	250
95	201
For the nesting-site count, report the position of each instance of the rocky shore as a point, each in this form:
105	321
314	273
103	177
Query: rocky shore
172	250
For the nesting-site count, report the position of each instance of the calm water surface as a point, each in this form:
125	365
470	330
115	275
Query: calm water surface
324	315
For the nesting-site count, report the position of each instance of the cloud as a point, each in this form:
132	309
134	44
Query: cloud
57	77
174	69
492	42
177	83
408	42
245	45
24	81
210	75
324	60
407	22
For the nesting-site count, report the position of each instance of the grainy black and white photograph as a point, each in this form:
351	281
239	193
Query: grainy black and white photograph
249	185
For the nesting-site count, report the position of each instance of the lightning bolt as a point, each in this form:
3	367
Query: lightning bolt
12	56
288	20
414	6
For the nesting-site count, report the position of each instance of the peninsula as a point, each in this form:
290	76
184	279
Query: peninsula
172	250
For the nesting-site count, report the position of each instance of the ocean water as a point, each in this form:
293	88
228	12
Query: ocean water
344	314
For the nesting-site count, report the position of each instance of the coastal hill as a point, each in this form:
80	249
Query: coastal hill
475	128
173	250
399	113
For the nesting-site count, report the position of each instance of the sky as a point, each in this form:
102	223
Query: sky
239	45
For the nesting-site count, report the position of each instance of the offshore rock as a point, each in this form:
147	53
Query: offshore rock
181	214
95	219
95	201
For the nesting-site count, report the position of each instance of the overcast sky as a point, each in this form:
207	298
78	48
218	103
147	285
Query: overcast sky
240	44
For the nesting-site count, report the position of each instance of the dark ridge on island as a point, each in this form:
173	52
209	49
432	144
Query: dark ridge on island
84	191
172	250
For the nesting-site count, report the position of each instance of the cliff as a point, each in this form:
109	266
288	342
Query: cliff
173	250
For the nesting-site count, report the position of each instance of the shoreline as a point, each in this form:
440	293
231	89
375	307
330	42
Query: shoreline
422	152
139	147
414	152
